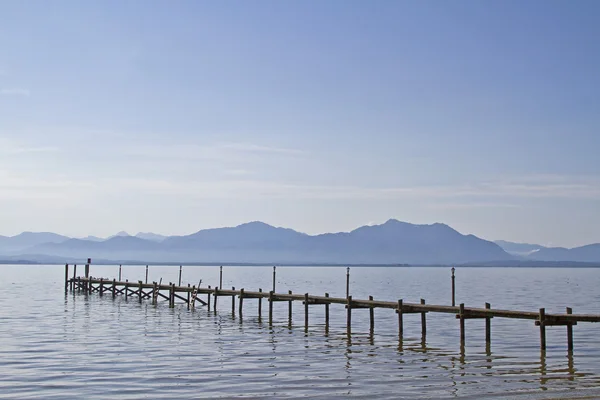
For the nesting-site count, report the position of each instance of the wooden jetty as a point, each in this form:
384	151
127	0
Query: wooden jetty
191	295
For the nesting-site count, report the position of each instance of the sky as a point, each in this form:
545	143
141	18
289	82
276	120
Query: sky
320	116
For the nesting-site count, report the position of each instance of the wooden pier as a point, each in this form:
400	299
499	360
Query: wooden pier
191	295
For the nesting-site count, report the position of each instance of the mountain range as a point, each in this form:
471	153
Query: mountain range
393	242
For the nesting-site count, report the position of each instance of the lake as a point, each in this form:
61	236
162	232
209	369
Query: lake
75	346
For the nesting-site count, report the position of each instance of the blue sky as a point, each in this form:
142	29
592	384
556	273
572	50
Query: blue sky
316	115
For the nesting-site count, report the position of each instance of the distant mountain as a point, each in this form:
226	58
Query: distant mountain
150	236
93	239
28	239
119	234
519	249
393	242
589	253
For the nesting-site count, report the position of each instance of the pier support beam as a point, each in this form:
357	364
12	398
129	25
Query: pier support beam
371	318
172	296
570	332
140	291
66	278
101	286
233	302
126	288
462	324
290	310
241	301
74	276
453	289
400	312
270	308
154	292
488	326
542	328
305	312
260	306
349	316
207	299
326	315
423	322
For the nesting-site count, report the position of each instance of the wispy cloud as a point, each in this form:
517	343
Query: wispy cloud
15	92
14	147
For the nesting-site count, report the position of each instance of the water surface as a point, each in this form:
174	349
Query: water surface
59	346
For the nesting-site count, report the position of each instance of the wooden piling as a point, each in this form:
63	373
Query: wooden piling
274	280
290	310
180	268
74	276
326	314
305	312
570	332
154	292
119	272
114	288
216	297
78	283
220	277
260	305
423	321
271	308
349	315
488	326
233	302
189	293
101	286
66	278
462	324
400	320
146	274
542	328
172	296
208	300
126	288
140	291
347	282
371	317
241	301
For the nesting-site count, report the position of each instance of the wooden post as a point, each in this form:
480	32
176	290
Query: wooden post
87	270
423	322
400	320
119	272
241	300
271	307
101	286
208	299
347	282
78	283
371	317
349	315
140	291
216	297
542	328
570	332
453	289
188	292
488	326
146	274
172	296
220	277
233	302
180	268
66	278
114	288
290	310
326	314
260	306
74	276
274	279
462	324
305	312
126	288
154	292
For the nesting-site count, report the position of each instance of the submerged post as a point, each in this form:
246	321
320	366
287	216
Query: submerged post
347	282
326	314
542	328
66	278
371	317
569	332
488	326
305	312
423	321
180	268
260	305
462	324
349	315
400	320
290	310
274	279
271	308
453	289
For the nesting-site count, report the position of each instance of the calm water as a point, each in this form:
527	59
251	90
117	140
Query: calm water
79	346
